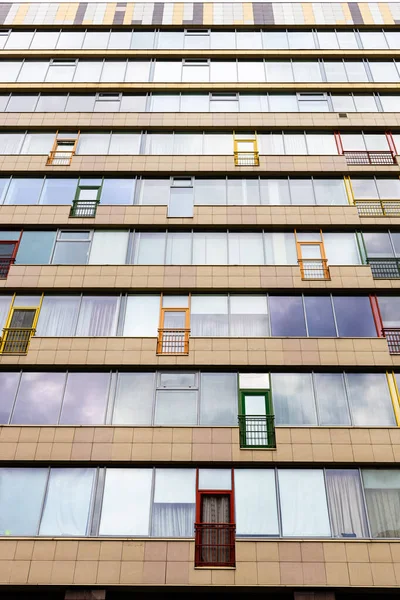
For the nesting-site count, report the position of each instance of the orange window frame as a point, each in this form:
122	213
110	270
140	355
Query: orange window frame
321	247
53	152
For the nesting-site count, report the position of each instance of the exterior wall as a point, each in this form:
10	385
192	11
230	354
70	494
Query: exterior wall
365	352
147	562
188	445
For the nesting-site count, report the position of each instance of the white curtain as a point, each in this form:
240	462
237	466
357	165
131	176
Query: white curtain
295	143
109	248
174	503
98	316
280	248
303	503
67	507
255	502
346	503
126	502
58	316
210	248
249	316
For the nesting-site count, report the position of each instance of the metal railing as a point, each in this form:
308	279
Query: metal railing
84	208
314	268
173	341
16	340
257	431
5	264
364	157
214	545
384	268
247	159
59	158
378	208
392	335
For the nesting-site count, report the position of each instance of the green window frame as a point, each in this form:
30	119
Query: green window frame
256	430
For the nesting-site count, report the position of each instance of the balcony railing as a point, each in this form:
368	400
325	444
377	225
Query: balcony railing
385	268
59	158
16	340
247	159
214	545
173	341
5	264
314	268
84	209
378	157
392	335
378	208
257	431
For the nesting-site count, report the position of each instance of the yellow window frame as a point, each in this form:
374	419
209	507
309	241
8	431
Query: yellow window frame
9	332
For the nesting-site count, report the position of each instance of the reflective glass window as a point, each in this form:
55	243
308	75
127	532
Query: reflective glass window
287	316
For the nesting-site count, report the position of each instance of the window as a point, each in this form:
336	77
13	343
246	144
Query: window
209	316
8	384
61	70
67	506
85	399
195	70
249	316
173	512
346	503
16	485
293	399
142	316
58	316
255	502
303	503
382	495
319	315
176	405
118	191
149	248
107	102
181	198
33	70
341	248
134	399
287	316
109	248
218	403
98	316
72	248
354	316
58	191
370	400
39	399
331	398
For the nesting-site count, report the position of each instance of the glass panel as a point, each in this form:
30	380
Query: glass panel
370	401
10	143
71	253
96	40
166	71
98	316
209	316
354	316
142	40
306	71
179	249
137	70
341	249
382	494
109	248
21	499
218	403
126	502
134	399
19	40
85	399
8	385
293	399
149	248
383	71
255	502
278	71
346	503
142	316
57	317
331	399
174	503
303	503
9	70
378	245
246	249
330	191
210	191
118	191
176	407
124	144
61	72
79	103
319	314
44	40
88	71
67	506
19	103
210	248
301	40
287	316
70	40
254	381
250	71
39	399
249	316
215	479
119	40
58	191
365	189
33	70
274	191
93	143
35	248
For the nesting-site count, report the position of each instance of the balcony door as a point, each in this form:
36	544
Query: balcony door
215	515
255	410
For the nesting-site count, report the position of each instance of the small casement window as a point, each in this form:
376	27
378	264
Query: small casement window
72	247
197	39
181	197
312	102
63	62
311	255
107	102
224	102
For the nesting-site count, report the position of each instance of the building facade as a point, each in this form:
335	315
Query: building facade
200	300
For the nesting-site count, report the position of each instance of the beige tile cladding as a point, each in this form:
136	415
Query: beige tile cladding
256	121
335	165
364	352
166	562
140	277
188	445
209	216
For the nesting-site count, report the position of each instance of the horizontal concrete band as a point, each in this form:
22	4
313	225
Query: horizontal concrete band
344	216
199	121
188	445
344	352
171	562
182	164
141	277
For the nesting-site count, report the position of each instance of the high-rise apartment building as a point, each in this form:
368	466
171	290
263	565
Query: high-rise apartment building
200	300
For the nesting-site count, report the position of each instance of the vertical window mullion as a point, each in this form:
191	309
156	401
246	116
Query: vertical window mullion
305	315
347	392
41	189
77	316
327	502
315	399
152	493
111	392
122	303
278	502
46	489
365	501
334	315
368	70
96	504
15	399
322	70
62	397
20	69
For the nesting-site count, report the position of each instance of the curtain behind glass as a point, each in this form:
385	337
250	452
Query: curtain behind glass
58	316
174	503
209	316
382	494
67	507
249	316
98	316
346	503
